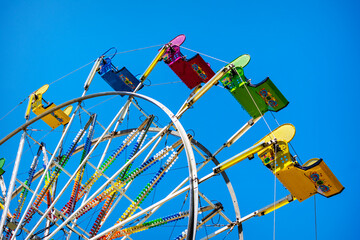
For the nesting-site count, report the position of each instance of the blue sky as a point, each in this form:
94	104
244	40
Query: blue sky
309	49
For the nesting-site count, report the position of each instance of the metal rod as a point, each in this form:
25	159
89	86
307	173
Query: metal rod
62	169
217	232
90	115
141	110
143	78
92	73
169	197
191	163
153	64
122	192
238	134
151	151
202	90
241	131
189	153
174	190
16	168
44	173
105	151
278	204
109	142
76	171
23	185
12	182
208	85
72	229
75	100
103	186
240	157
207	218
113	206
55	151
99	164
213	205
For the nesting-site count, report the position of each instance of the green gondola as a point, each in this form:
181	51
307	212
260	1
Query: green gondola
256	99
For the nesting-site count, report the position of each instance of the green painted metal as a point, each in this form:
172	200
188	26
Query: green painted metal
256	99
2	162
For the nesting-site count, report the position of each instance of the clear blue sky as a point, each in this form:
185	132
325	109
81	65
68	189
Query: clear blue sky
308	48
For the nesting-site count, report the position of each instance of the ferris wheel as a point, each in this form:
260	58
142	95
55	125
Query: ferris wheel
103	173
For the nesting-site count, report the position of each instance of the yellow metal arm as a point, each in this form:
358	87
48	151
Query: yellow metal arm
278	204
240	157
27	113
266	145
152	65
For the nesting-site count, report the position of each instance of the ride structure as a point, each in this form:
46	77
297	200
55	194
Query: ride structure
127	179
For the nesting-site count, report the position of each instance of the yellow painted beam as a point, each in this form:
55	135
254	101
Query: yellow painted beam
240	157
154	62
278	204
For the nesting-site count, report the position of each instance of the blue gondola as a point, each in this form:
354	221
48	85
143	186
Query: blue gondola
119	80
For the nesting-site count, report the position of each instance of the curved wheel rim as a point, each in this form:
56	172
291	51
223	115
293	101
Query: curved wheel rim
181	134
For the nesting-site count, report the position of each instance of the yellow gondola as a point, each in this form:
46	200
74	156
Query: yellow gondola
54	119
302	181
